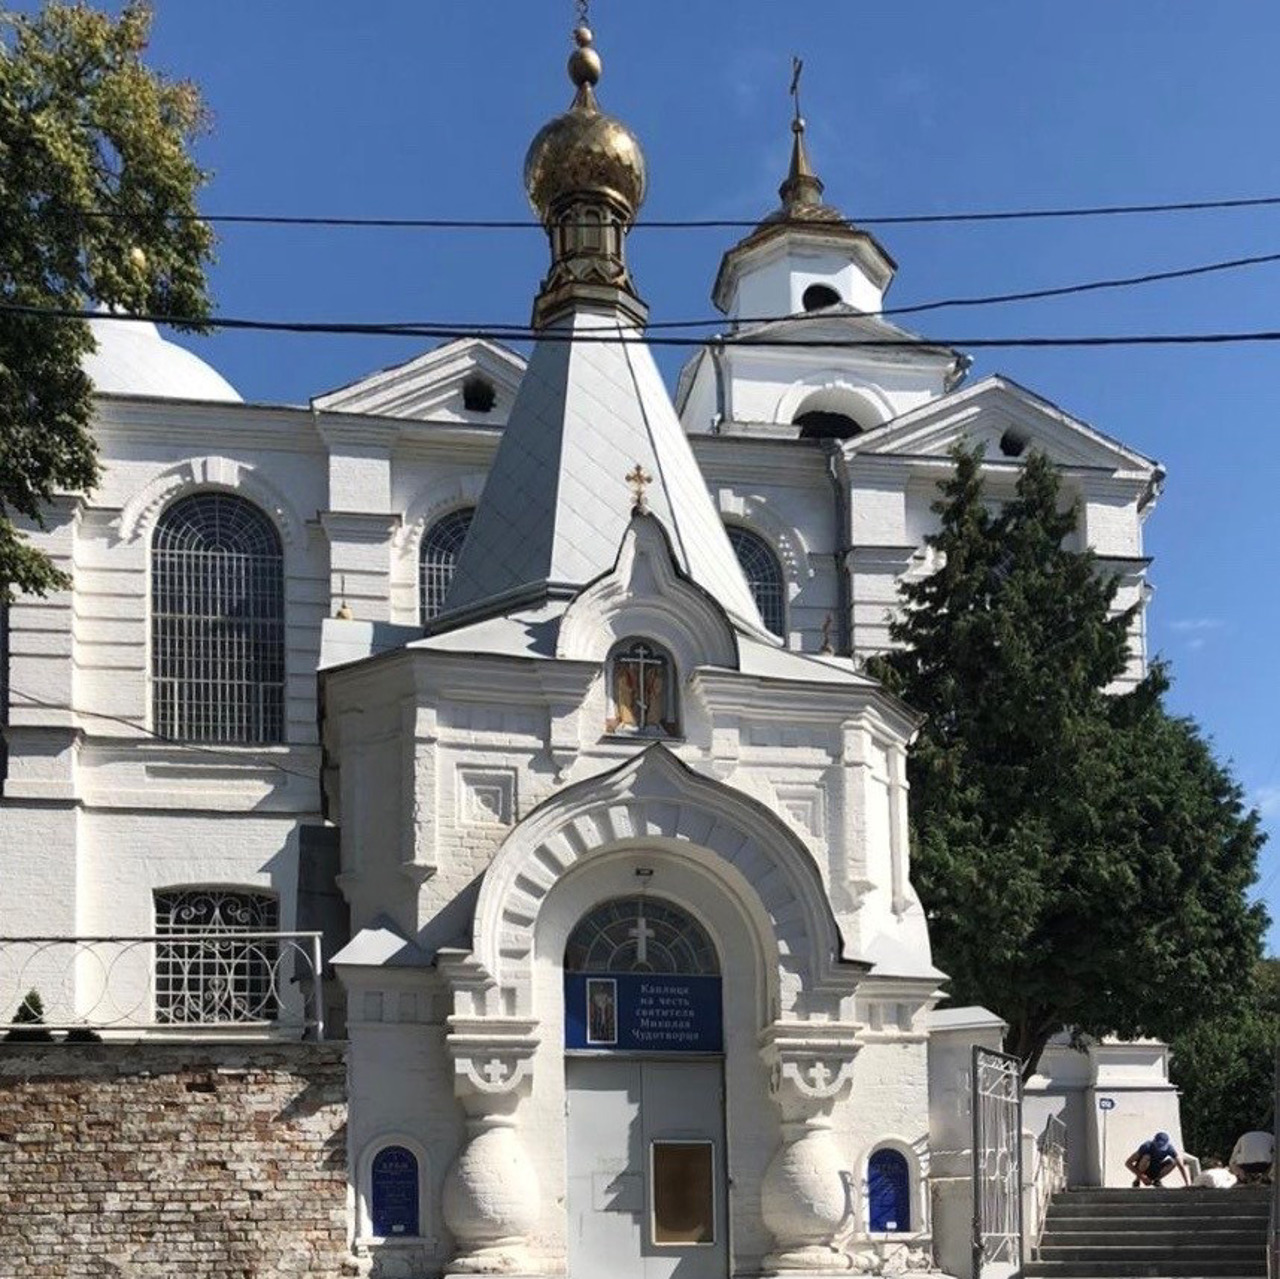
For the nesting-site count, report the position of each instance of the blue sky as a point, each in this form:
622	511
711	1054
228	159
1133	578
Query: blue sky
425	108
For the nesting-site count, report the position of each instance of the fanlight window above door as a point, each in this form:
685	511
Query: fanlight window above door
640	935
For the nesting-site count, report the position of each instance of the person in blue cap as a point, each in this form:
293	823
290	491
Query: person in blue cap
1154	1159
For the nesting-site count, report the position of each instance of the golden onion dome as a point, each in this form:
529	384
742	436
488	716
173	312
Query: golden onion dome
584	151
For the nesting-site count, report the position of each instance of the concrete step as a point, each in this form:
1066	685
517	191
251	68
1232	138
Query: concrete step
1225	1204
1162	1233
1160	1224
1164	1268
1163	1194
1254	1250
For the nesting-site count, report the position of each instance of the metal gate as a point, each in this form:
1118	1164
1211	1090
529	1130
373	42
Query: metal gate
997	1164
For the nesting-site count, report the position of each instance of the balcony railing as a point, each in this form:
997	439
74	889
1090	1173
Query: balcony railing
181	982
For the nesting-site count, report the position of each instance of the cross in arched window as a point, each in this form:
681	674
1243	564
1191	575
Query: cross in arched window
643	934
641	681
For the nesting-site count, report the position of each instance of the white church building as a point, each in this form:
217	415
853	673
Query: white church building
539	693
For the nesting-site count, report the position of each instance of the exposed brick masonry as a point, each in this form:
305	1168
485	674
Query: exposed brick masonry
132	1161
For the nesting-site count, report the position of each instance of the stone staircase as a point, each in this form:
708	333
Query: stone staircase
1151	1234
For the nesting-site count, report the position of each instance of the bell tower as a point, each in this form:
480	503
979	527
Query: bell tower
806	255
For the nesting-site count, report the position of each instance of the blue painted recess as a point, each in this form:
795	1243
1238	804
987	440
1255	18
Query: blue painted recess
889	1191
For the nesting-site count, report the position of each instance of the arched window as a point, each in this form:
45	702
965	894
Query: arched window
217	622
764	576
642	693
221	964
436	560
817	296
640	935
888	1191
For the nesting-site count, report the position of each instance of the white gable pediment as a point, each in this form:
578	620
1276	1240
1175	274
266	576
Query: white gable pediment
430	386
995	411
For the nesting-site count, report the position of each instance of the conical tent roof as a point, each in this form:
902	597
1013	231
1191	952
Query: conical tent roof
591	406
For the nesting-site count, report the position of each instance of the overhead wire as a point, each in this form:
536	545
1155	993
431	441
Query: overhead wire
245	757
618	337
729	224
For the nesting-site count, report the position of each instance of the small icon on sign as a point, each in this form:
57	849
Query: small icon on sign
1106	1103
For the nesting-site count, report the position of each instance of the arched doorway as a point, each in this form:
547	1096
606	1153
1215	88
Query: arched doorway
644	1085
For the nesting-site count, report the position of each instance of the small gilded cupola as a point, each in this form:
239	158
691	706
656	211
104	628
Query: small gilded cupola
806	255
585	175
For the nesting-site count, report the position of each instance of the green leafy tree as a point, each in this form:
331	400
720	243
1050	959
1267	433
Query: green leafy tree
1224	1066
1083	859
97	205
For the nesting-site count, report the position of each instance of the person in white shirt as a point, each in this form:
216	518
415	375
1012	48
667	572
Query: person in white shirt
1252	1157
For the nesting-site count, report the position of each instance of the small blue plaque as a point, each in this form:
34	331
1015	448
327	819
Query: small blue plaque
1106	1103
394	1193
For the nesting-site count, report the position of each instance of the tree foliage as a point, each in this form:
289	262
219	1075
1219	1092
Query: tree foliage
97	205
1083	858
1225	1064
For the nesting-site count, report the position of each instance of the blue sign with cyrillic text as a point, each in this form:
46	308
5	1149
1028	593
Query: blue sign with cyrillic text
642	1012
394	1193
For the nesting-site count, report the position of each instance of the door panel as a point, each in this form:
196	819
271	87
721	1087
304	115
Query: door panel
646	1169
605	1180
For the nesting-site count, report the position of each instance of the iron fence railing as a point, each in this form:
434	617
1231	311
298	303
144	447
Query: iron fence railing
1050	1174
196	981
997	1164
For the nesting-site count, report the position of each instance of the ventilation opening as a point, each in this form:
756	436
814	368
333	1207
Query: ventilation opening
1013	443
821	424
816	296
478	395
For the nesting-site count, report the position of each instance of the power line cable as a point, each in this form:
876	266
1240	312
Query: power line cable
695	224
239	758
992	299
619	337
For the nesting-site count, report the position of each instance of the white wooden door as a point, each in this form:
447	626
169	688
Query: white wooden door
646	1169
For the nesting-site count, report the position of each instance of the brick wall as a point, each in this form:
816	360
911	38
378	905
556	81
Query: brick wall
131	1161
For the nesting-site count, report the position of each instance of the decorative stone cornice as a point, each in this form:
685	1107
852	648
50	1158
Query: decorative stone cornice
492	1057
810	1064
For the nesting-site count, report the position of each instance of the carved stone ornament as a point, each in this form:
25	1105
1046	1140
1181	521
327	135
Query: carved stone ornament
806	1199
491	1200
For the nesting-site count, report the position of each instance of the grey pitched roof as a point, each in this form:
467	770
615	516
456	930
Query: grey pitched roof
557	503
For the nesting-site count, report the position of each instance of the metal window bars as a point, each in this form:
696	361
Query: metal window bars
217	622
438	557
220	965
764	577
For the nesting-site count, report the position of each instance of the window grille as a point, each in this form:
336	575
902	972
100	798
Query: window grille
763	572
640	935
217	622
208	973
440	547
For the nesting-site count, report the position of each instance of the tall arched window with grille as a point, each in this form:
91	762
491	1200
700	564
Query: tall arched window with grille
217	622
764	576
437	558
